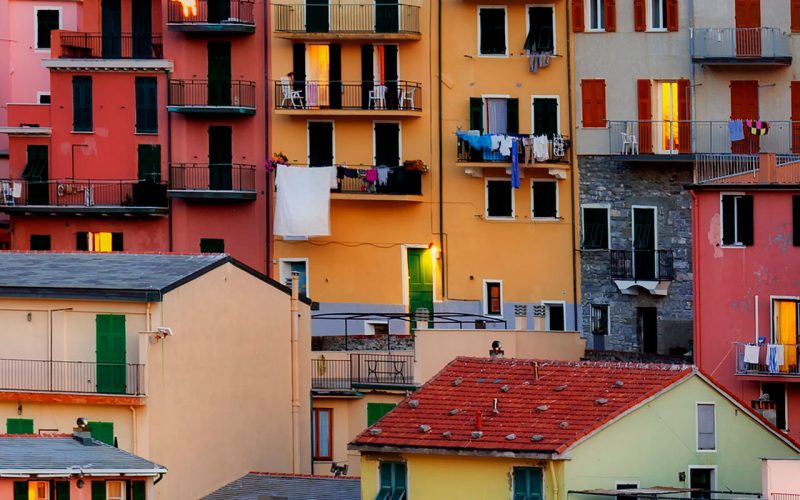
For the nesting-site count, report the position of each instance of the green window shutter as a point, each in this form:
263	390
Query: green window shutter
146	104
139	490
98	490
82	103
20	490
512	126
19	426
375	411
476	113
399	480
62	490
103	432
149	162
527	483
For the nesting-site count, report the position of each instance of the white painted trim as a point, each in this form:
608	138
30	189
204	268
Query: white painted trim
618	483
39	95
558	200
558	110
308	139
649	16
36	10
722	216
697	426
108	64
371	323
563	305
528	22
713	468
399	141
122	489
485	305
588	17
607	208
290	260
486	200
478	27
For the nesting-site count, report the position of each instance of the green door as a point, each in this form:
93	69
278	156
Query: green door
420	281
219	73
110	353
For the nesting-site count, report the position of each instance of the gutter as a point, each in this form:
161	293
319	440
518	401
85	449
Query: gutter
269	188
295	347
441	156
71	471
573	173
366	448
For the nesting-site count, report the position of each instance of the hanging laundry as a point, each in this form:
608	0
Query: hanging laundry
735	130
757	127
505	145
383	175
515	181
302	202
527	143
350	173
17	190
541	148
751	354
496	140
474	139
774	357
371	175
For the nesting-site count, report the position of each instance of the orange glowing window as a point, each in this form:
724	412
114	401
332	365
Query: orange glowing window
189	7
38	490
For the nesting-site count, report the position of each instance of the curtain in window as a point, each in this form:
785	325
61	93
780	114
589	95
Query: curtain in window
787	332
497	113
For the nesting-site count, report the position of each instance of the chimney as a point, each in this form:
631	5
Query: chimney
538	317
478	420
520	317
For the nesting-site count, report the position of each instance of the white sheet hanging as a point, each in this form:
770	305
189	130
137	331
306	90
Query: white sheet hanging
303	201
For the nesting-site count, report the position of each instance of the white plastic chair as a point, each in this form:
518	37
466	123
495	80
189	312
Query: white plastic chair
407	96
630	145
377	97
295	97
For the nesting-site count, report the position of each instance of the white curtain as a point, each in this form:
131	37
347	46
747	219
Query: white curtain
497	112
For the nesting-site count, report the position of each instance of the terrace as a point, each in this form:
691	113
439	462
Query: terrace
355	21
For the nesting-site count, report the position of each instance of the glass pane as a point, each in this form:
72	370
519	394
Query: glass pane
324	433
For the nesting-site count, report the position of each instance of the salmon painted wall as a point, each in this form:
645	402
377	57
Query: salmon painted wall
148	234
75	492
727	282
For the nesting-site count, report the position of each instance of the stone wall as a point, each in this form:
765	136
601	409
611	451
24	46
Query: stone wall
620	185
363	343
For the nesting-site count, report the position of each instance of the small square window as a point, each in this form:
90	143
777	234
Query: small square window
499	199
595	228
376	328
493	298
599	319
40	242
43	97
545	199
212	245
492	31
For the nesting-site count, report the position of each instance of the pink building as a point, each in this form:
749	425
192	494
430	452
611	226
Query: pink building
747	280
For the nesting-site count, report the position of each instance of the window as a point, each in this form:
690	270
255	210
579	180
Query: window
545	199
146	105
785	332
322	434
37	490
499	199
47	20
737	219
595	228
494	115
392	481
596	14
703	480
375	411
593	104
794	7
493	298
300	266
43	97
40	242
492	31
103	432
81	103
706	427
19	426
115	490
376	328
658	14
796	219
776	394
212	245
545	116
627	486
599	319
99	242
149	156
541	32
528	483
554	316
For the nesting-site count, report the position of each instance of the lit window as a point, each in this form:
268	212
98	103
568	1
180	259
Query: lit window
323	437
115	490
597	15
38	490
493	298
658	14
98	242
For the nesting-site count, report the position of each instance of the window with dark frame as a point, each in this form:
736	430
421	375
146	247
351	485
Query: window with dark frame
540	29
528	483
499	198
494	299
545	116
322	434
146	105
492	30
47	20
40	242
595	228
599	319
545	199
149	159
82	103
737	219
392	477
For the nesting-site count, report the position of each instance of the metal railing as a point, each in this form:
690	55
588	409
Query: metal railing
80	45
740	44
355	18
399	181
767	359
692	137
213	12
746	169
71	376
642	265
83	193
784	496
466	153
212	177
368	96
202	93
362	369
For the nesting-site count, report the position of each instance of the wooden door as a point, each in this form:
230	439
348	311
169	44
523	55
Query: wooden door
220	158
420	281
219	73
110	335
744	106
748	24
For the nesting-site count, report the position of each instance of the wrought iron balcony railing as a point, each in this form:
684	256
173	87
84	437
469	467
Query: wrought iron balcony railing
346	18
557	151
212	93
642	265
335	95
362	369
71	377
212	177
732	45
83	193
79	45
767	359
222	12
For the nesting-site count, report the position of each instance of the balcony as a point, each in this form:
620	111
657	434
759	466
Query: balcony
391	371
651	270
766	365
355	21
213	16
475	160
76	377
304	98
73	50
214	182
402	184
741	46
72	196
227	97
747	170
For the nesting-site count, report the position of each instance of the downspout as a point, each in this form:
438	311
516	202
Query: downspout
552	468
269	189
692	71
294	326
573	173
441	156
696	279
135	432
169	175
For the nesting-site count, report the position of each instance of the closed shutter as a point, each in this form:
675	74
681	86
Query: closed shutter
611	15
796	220
476	113
82	103
593	95
728	220
62	490
672	15
98	490
745	219
375	411
645	112
19	426
545	199
795	115
146	105
335	75
493	31
499	201
795	15
20	490
139	490
578	16
367	74
149	162
684	117
512	116
104	431
639	15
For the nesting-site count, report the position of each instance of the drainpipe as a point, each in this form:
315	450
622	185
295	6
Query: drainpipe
294	325
552	468
269	188
135	432
696	279
441	169
169	173
573	174
692	73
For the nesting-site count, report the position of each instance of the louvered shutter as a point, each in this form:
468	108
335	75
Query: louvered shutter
639	15
672	15
645	113
611	15
578	20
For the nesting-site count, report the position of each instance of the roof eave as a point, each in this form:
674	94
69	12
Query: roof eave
86	472
131	295
463	452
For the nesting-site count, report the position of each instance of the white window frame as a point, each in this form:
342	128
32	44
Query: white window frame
486	200
735	219
478	28
558	110
486	297
36	26
39	95
122	489
712	468
607	208
485	108
399	139
369	326
600	4
285	270
649	14
547	304
528	22
558	212
697	426
333	139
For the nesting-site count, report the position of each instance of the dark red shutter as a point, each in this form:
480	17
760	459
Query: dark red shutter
672	15
644	105
593	95
795	117
611	15
684	117
795	15
639	15
577	16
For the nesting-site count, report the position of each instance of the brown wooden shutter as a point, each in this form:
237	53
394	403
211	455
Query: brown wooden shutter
593	95
639	15
611	15
587	102
795	117
577	16
684	117
644	105
672	15
795	15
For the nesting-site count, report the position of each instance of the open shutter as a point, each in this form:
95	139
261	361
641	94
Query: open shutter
98	490
139	490
476	113
796	221
672	15
512	117
335	75
795	116
745	220
366	74
645	110
639	15
20	490
578	21
684	117
62	490
795	15
611	15
299	66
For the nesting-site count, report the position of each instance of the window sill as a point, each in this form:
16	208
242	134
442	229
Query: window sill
511	218
734	246
37	50
706	451
594	249
603	30
494	56
656	30
145	133
546	219
82	131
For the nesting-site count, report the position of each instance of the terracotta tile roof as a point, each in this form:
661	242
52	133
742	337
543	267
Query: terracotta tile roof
545	415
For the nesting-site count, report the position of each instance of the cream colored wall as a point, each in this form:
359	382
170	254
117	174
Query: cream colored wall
436	348
219	399
780	476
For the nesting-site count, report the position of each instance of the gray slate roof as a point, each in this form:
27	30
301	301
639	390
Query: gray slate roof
250	486
36	454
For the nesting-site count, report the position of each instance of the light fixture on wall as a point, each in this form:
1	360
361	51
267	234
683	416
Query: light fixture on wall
79	483
19	409
30	317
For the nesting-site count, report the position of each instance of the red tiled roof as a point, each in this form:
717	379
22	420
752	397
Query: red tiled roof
568	401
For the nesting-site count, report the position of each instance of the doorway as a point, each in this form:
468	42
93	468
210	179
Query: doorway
317	12
644	243
668	111
142	28
387	16
110	330
387	144
220	158
111	14
744	106
701	478
219	73
218	11
420	282
318	67
647	329
748	28
320	144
